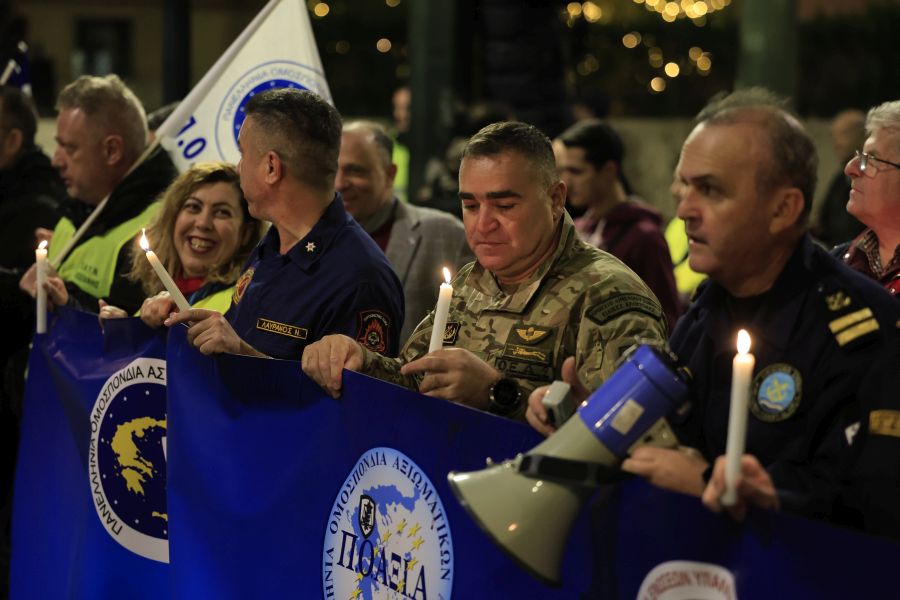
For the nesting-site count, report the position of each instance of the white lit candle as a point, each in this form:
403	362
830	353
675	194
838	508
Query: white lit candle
167	281
40	261
741	375
440	313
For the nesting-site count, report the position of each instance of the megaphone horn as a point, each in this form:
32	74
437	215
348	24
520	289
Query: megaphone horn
528	504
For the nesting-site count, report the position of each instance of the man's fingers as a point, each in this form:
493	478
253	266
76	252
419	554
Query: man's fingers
336	358
539	425
570	376
432	381
195	314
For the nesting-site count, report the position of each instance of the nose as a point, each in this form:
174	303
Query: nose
487	220
852	168
340	182
685	210
57	159
204	219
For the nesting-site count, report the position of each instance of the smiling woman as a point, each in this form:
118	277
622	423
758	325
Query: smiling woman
202	234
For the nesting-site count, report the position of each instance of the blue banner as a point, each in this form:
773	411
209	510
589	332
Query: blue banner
89	506
274	490
270	482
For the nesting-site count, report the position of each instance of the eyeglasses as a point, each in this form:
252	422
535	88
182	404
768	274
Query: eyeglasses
864	159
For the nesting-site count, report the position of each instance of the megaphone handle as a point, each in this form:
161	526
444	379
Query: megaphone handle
573	472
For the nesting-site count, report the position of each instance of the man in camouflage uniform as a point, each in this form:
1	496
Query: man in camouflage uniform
536	295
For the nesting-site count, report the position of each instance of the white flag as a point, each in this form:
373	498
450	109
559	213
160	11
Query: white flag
276	50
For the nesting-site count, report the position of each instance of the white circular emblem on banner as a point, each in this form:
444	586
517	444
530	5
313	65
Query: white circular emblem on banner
267	76
688	580
127	461
387	534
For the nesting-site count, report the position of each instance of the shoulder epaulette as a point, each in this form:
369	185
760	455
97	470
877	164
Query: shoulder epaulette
850	321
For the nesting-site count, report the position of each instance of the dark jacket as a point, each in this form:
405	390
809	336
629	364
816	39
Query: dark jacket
820	338
633	234
30	195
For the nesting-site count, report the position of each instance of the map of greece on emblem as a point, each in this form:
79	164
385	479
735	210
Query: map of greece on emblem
387	535
127	458
267	76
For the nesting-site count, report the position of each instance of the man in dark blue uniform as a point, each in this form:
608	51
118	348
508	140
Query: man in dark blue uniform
316	271
744	182
823	336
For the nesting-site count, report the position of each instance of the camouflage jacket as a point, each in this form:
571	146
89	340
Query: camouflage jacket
582	302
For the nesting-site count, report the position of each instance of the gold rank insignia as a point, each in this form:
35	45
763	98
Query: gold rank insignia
837	301
532	334
852	326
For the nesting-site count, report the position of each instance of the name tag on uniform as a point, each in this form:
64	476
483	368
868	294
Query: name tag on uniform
275	327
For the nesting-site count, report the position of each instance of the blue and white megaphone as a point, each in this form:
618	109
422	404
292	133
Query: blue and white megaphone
527	505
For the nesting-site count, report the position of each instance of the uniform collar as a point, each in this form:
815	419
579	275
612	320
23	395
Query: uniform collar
307	251
779	308
486	282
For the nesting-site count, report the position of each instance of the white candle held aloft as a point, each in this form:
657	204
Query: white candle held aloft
440	313
741	376
167	281
40	261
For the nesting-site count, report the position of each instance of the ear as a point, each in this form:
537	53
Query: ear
12	143
786	209
391	173
557	199
275	170
113	149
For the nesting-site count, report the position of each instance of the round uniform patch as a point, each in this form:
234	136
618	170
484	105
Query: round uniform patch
387	535
127	458
776	392
241	286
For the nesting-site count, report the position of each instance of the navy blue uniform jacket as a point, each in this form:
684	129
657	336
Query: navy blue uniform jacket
334	280
819	335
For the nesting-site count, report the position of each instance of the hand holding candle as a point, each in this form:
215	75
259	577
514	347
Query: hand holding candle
741	375
440	313
167	281
40	259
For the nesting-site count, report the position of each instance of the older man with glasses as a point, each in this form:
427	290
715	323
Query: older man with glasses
875	199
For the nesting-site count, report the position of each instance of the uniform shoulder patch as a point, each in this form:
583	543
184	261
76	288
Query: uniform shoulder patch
241	286
620	304
372	331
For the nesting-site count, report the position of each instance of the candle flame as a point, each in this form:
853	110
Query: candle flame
42	245
446	274
145	245
743	341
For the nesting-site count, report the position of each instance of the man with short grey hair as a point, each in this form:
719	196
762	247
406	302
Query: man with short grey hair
101	132
875	199
418	241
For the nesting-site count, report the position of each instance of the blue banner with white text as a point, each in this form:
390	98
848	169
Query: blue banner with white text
89	511
252	483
